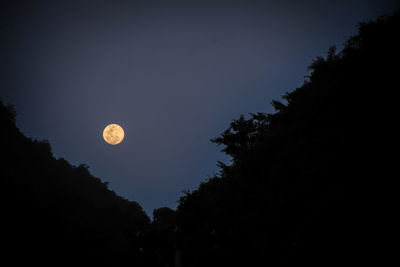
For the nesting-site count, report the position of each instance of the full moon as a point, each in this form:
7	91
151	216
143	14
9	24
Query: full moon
113	134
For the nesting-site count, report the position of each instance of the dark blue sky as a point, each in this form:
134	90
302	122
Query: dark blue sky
172	75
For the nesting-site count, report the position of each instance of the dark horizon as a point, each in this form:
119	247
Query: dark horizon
173	76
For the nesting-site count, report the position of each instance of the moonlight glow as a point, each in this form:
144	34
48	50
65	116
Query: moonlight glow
113	134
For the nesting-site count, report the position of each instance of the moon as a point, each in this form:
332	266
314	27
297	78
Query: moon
113	134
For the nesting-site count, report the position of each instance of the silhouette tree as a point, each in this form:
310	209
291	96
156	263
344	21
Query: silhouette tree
294	191
54	213
164	235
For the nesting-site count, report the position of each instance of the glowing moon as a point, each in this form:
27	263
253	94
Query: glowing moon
113	134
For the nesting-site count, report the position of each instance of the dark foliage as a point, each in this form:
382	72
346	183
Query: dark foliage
163	235
53	213
299	188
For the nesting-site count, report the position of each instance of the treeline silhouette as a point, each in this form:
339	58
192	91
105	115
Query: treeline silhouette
53	213
296	190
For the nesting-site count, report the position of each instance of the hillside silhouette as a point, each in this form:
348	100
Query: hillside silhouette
297	190
54	213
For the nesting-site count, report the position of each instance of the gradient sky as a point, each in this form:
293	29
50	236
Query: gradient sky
172	75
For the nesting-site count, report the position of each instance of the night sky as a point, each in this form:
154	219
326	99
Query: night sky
172	75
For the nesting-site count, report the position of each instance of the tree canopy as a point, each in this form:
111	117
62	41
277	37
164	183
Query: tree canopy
293	192
53	212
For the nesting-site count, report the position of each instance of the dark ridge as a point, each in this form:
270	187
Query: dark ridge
53	213
300	186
